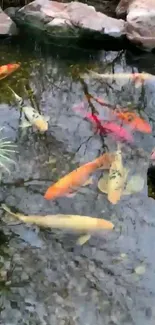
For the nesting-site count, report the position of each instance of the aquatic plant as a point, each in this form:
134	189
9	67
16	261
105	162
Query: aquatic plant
7	148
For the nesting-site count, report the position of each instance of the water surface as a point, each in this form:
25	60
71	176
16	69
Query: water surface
45	278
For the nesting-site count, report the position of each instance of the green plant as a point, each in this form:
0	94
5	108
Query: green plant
6	149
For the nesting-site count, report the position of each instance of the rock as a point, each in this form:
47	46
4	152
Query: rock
72	19
122	7
11	11
7	26
140	28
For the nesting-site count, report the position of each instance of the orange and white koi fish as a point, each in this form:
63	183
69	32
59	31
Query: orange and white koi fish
72	181
32	115
6	70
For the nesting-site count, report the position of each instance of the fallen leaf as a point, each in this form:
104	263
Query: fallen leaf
139	270
51	161
135	184
123	255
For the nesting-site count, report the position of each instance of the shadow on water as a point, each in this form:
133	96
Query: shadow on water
49	279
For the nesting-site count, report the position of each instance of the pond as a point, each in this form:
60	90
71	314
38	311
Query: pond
45	278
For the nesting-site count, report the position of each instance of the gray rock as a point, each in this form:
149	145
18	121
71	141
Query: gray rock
72	19
11	11
140	27
7	26
141	23
122	7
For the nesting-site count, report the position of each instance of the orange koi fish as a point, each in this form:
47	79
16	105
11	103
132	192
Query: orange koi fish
70	182
116	131
6	70
134	121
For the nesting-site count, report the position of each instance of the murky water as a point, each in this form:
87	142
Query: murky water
44	277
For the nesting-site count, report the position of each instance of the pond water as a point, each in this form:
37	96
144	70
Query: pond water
45	278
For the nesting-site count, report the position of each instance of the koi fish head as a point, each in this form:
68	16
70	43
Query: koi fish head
41	124
49	194
53	192
7	69
105	224
12	67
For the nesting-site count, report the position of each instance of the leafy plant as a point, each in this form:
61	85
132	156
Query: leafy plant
6	149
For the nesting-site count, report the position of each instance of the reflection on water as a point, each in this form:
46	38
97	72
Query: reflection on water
96	283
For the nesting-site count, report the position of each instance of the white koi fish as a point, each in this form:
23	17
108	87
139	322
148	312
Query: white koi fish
32	115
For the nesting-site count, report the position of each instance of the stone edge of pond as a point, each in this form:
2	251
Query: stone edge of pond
77	22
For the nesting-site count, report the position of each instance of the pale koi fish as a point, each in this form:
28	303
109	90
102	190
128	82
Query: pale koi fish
71	222
32	115
117	178
62	221
137	77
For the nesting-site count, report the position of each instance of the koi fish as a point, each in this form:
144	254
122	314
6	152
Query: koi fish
62	221
73	222
78	177
137	77
6	70
117	178
32	115
35	119
130	118
117	131
134	121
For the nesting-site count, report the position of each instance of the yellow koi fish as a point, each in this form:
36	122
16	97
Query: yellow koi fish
61	221
117	177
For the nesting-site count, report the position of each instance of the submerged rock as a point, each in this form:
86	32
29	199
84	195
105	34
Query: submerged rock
140	28
74	19
7	26
11	11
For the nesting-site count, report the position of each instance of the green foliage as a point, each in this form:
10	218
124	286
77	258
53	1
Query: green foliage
7	148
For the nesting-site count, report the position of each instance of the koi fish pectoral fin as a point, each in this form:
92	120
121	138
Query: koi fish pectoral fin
70	194
89	181
83	239
47	118
25	124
